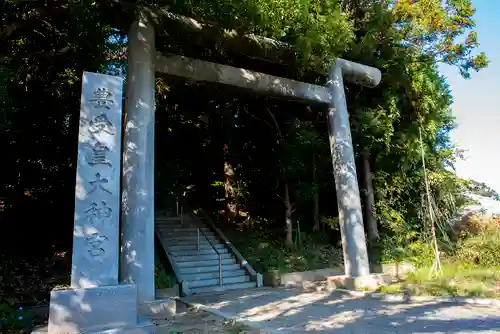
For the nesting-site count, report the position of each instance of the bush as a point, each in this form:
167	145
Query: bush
164	278
417	253
267	252
473	224
482	249
455	279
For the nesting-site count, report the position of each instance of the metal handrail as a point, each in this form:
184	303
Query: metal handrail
210	243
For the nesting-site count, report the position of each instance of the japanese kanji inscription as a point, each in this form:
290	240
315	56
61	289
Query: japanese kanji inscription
96	232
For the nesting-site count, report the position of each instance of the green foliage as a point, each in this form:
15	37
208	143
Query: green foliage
482	249
266	253
14	319
29	279
470	268
318	28
163	277
332	222
395	250
270	143
456	279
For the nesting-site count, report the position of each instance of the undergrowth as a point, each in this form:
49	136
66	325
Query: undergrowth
266	251
470	265
164	276
455	279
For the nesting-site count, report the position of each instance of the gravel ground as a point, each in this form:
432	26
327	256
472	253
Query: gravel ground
197	321
294	310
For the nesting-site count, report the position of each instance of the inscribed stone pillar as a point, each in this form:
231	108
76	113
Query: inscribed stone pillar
137	249
95	302
97	200
346	181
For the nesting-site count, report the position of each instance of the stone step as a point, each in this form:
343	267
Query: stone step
188	236
193	247
201	257
167	219
205	263
195	252
166	229
176	241
191	232
206	269
225	280
193	242
213	275
181	228
217	288
177	220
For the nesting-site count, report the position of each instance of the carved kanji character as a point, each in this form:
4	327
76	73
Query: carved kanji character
102	98
99	151
101	124
98	184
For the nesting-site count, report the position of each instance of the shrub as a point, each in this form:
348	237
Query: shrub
267	252
482	249
473	224
417	253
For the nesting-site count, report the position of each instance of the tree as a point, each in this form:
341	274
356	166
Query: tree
45	48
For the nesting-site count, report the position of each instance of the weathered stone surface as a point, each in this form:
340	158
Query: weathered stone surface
159	309
168	292
93	309
137	224
390	271
296	278
396	270
200	70
369	282
97	192
346	181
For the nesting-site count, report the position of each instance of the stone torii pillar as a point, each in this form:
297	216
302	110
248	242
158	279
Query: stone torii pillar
346	182
137	226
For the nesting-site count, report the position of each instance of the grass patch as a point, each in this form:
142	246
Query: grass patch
456	279
265	252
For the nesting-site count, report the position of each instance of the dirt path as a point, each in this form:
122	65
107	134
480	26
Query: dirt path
293	310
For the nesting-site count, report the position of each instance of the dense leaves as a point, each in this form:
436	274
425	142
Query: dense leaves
237	155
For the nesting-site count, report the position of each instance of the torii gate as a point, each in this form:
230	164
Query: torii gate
96	300
138	169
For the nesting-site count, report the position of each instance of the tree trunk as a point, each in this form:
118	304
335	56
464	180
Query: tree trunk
370	221
229	193
315	193
288	217
231	206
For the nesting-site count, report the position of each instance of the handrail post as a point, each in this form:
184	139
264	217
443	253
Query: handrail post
198	239
177	206
198	231
220	270
182	215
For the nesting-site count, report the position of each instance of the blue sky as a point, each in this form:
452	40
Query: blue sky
477	103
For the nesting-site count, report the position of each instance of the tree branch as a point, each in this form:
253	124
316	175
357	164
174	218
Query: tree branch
259	119
275	123
41	12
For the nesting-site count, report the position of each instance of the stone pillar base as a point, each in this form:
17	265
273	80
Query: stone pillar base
103	310
369	282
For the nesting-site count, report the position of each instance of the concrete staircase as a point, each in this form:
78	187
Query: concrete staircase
200	255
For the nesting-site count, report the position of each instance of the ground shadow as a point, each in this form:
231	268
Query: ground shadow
298	311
